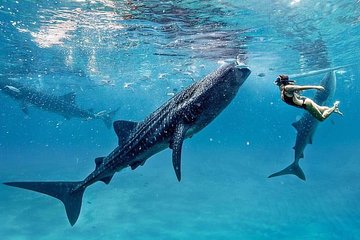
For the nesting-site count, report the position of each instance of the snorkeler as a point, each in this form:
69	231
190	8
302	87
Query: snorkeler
290	93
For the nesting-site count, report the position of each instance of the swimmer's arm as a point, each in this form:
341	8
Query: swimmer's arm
293	88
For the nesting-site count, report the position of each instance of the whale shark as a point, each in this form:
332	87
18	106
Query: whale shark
307	125
182	116
64	105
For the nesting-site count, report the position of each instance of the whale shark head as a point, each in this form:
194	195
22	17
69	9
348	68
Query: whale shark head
222	86
214	93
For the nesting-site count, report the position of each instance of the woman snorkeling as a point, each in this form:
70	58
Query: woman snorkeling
290	93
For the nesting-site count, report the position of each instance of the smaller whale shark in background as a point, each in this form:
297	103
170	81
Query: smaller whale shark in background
307	125
64	105
185	114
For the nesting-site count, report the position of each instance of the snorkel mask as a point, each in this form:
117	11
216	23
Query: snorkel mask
283	79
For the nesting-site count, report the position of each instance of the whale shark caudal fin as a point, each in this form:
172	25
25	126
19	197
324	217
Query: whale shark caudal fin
294	168
61	190
108	118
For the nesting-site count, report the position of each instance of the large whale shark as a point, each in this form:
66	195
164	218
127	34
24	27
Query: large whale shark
64	105
306	127
181	117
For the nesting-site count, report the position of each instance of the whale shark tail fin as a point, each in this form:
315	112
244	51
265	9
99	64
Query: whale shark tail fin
64	191
107	118
293	168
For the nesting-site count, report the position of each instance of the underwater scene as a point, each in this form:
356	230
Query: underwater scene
183	119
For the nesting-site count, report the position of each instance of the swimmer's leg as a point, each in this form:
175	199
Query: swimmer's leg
321	112
334	108
323	108
313	109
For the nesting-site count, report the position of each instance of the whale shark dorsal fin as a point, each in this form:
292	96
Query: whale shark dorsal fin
310	139
297	125
123	129
69	97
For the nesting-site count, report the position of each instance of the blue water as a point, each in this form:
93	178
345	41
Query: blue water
135	55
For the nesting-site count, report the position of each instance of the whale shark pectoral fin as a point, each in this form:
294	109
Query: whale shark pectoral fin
176	146
69	97
310	140
123	129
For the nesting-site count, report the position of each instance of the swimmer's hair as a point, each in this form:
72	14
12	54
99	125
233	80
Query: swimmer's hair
282	79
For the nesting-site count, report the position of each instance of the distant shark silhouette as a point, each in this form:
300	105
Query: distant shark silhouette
307	125
64	105
181	117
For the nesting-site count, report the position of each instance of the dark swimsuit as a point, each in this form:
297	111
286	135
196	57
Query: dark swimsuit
290	100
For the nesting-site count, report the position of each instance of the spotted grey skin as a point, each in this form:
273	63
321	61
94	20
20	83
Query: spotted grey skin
306	127
181	117
64	105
